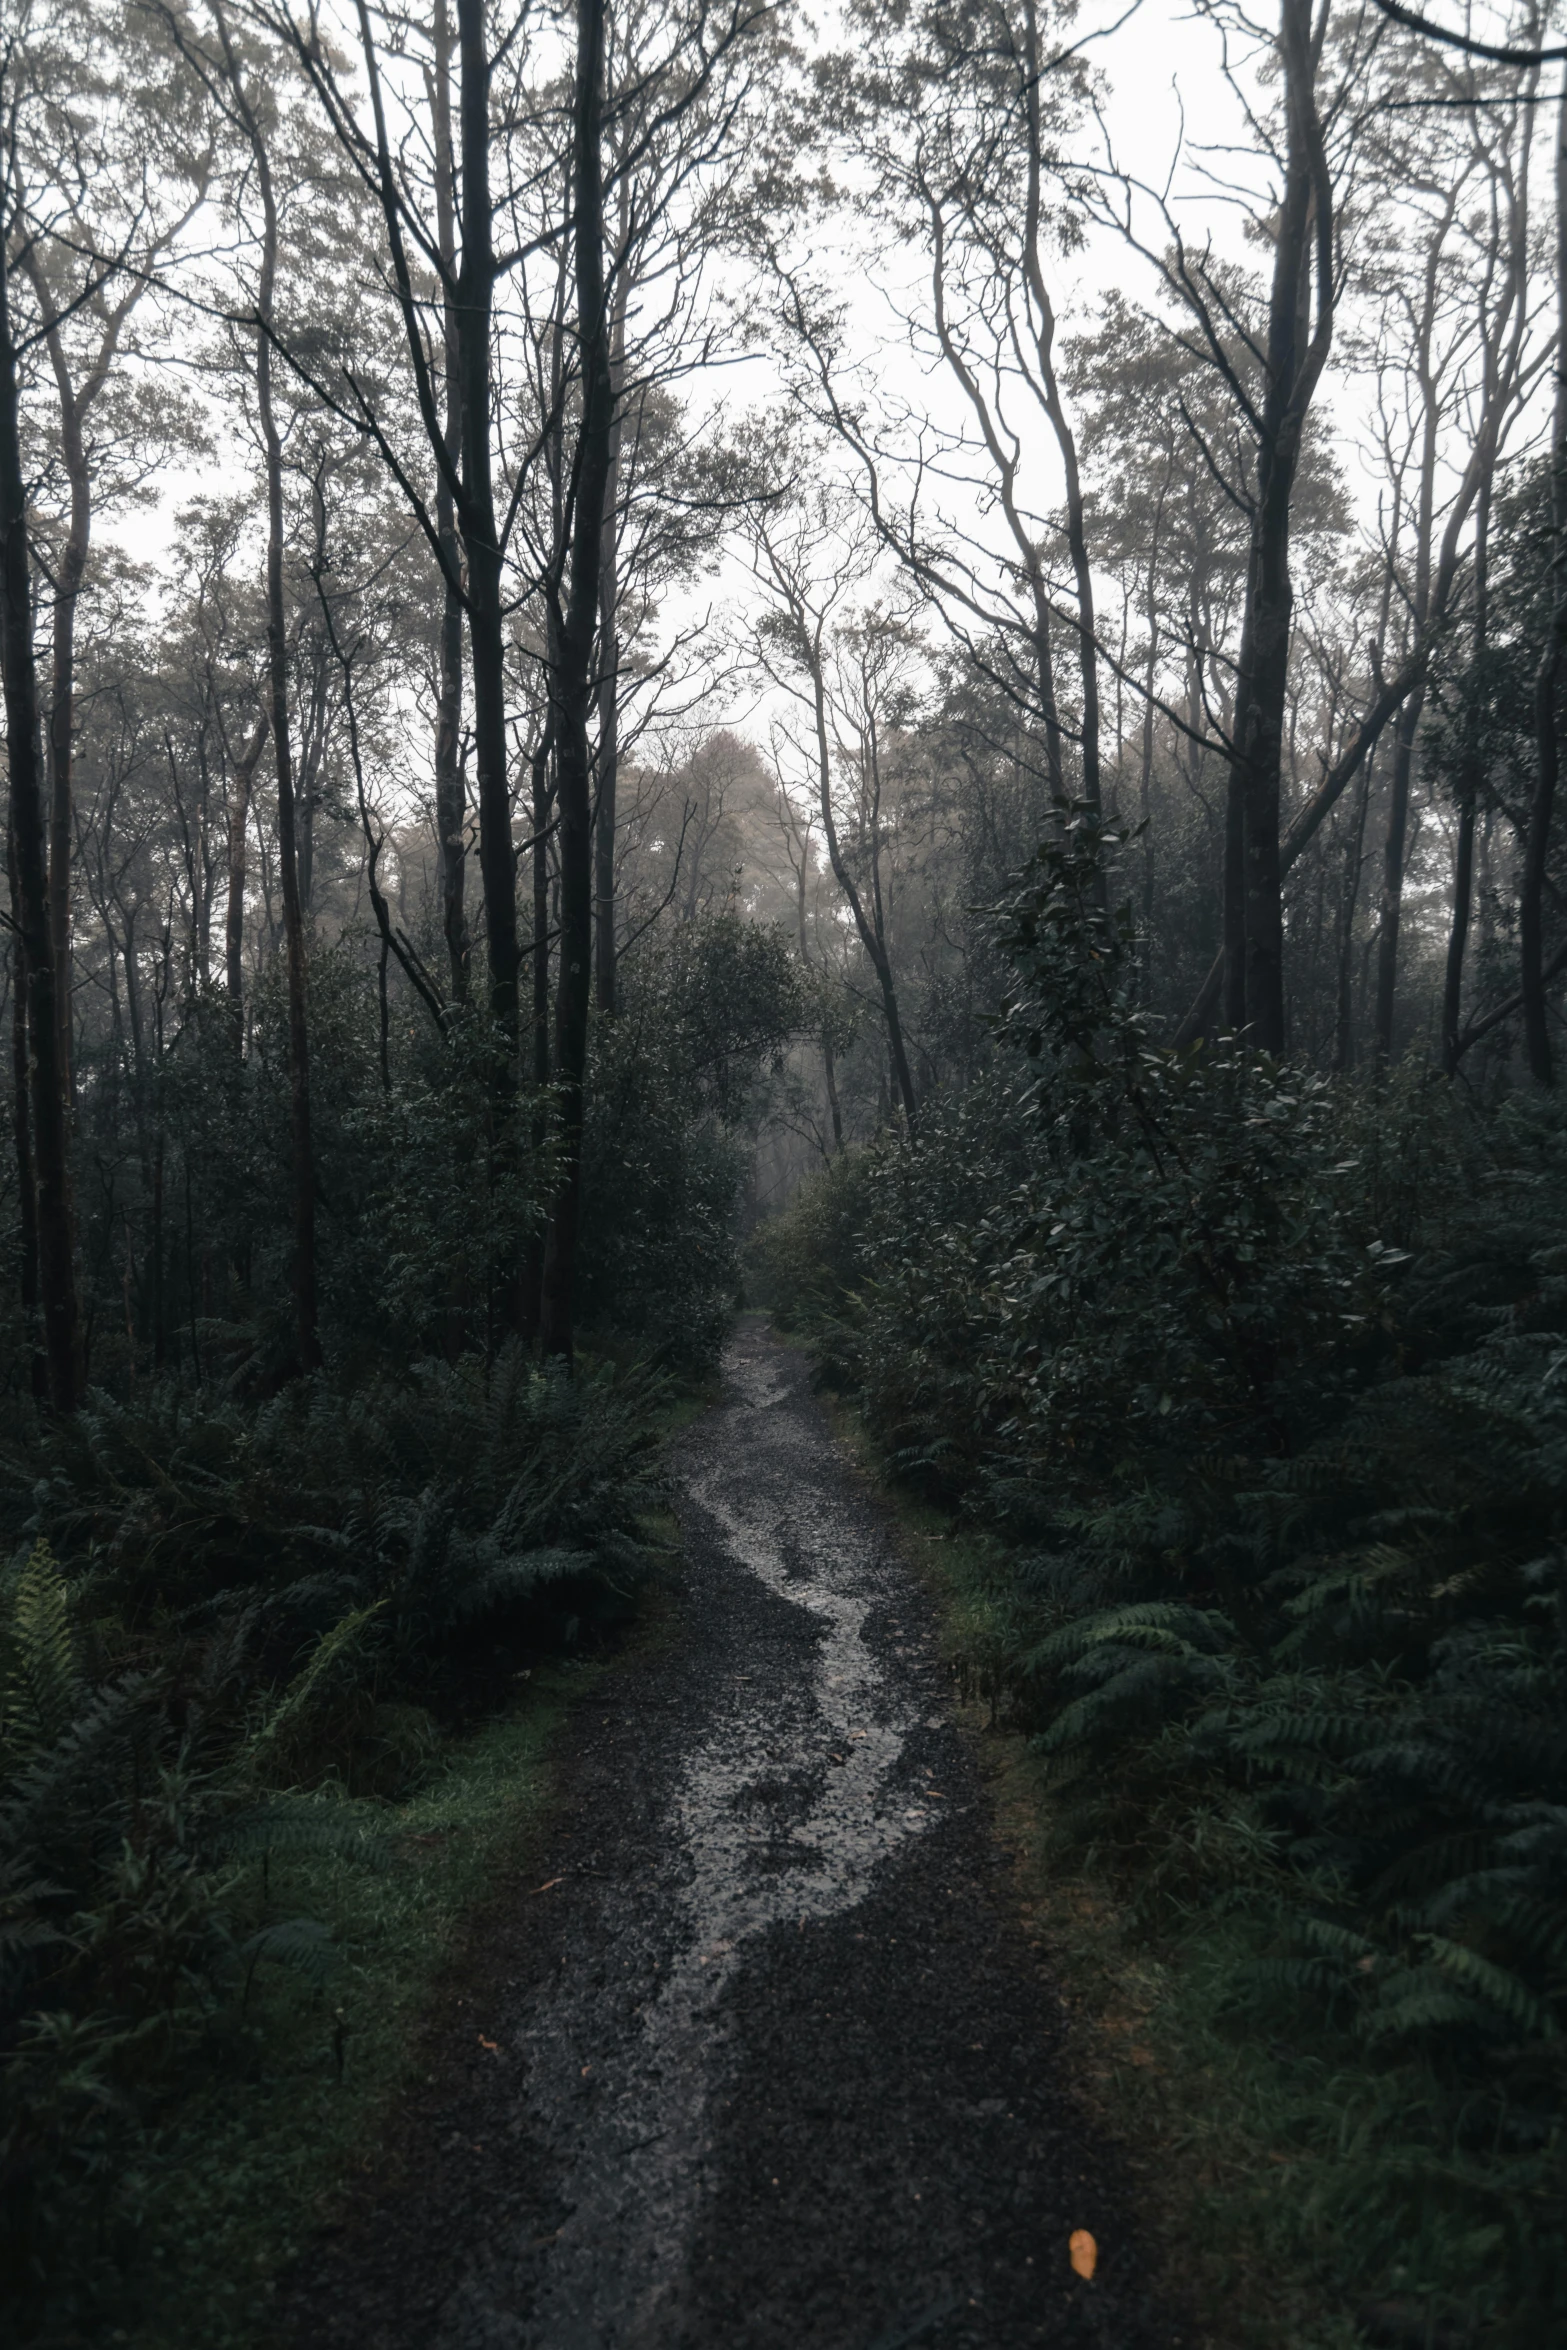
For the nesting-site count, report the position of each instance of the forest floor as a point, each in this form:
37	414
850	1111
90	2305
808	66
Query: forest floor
762	2054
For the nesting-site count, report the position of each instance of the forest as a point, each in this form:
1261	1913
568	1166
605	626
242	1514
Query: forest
904	668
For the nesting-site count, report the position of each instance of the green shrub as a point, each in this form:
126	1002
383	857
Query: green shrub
1264	1382
219	1620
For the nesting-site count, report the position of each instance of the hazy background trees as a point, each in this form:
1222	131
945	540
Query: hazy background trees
695	472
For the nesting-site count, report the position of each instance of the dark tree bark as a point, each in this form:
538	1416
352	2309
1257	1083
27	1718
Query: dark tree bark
22	1142
1349	898
1470	779
1066	443
1391	903
50	1120
62	713
234	917
871	933
572	678
604	952
476	518
450	808
1547	688
302	1155
1296	352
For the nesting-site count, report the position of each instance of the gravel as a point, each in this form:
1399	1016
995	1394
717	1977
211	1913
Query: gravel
771	2062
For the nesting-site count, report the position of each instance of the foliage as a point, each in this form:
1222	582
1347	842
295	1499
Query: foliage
1265	1383
678	1082
220	1621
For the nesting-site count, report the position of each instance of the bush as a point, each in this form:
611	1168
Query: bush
218	1620
1264	1380
677	1086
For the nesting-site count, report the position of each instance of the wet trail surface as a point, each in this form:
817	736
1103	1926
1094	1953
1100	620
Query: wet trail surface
771	2062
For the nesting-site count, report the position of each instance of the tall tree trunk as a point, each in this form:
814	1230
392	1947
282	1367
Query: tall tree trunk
56	1249
1471	776
1296	353
481	541
22	1141
1536	847
234	915
62	714
450	810
830	1078
1234	899
303	1155
609	638
1390	910
1354	856
869	932
1391	900
1066	444
302	1181
573	678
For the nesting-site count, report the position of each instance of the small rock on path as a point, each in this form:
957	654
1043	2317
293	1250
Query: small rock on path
772	2066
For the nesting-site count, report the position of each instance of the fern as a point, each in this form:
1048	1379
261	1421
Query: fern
42	1682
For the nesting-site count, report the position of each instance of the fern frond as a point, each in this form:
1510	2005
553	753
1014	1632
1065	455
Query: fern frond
42	1684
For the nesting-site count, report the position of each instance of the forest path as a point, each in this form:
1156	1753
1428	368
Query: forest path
770	2065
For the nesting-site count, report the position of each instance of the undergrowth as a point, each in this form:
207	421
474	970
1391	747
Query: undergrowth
233	1641
1257	1387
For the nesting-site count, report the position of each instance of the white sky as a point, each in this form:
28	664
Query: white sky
1169	113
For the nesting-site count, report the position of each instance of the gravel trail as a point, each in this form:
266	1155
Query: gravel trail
771	2064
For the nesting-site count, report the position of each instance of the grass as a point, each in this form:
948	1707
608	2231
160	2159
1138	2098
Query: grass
1241	2146
255	2161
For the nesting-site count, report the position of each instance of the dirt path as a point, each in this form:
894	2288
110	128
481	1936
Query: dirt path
772	2065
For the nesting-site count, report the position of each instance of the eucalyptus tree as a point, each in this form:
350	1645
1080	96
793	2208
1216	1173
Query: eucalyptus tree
817	643
1445	273
951	122
117	164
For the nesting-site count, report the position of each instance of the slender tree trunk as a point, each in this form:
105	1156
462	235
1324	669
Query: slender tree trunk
234	914
870	940
302	1155
22	1142
62	714
830	1076
1390	906
1536	847
609	640
1354	857
1145	751
50	1123
481	542
1470	779
573	679
1392	897
1295	355
1066	444
450	810
1234	907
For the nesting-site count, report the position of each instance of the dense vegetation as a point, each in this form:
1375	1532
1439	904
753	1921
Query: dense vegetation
638	628
1256	1384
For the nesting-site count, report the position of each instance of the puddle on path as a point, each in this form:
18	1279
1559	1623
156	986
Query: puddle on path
783	1812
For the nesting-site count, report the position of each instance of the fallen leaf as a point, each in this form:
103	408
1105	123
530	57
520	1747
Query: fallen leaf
1084	2253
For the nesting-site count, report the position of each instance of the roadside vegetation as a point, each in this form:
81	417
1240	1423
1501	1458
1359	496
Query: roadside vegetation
1254	1386
278	1659
1053	818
